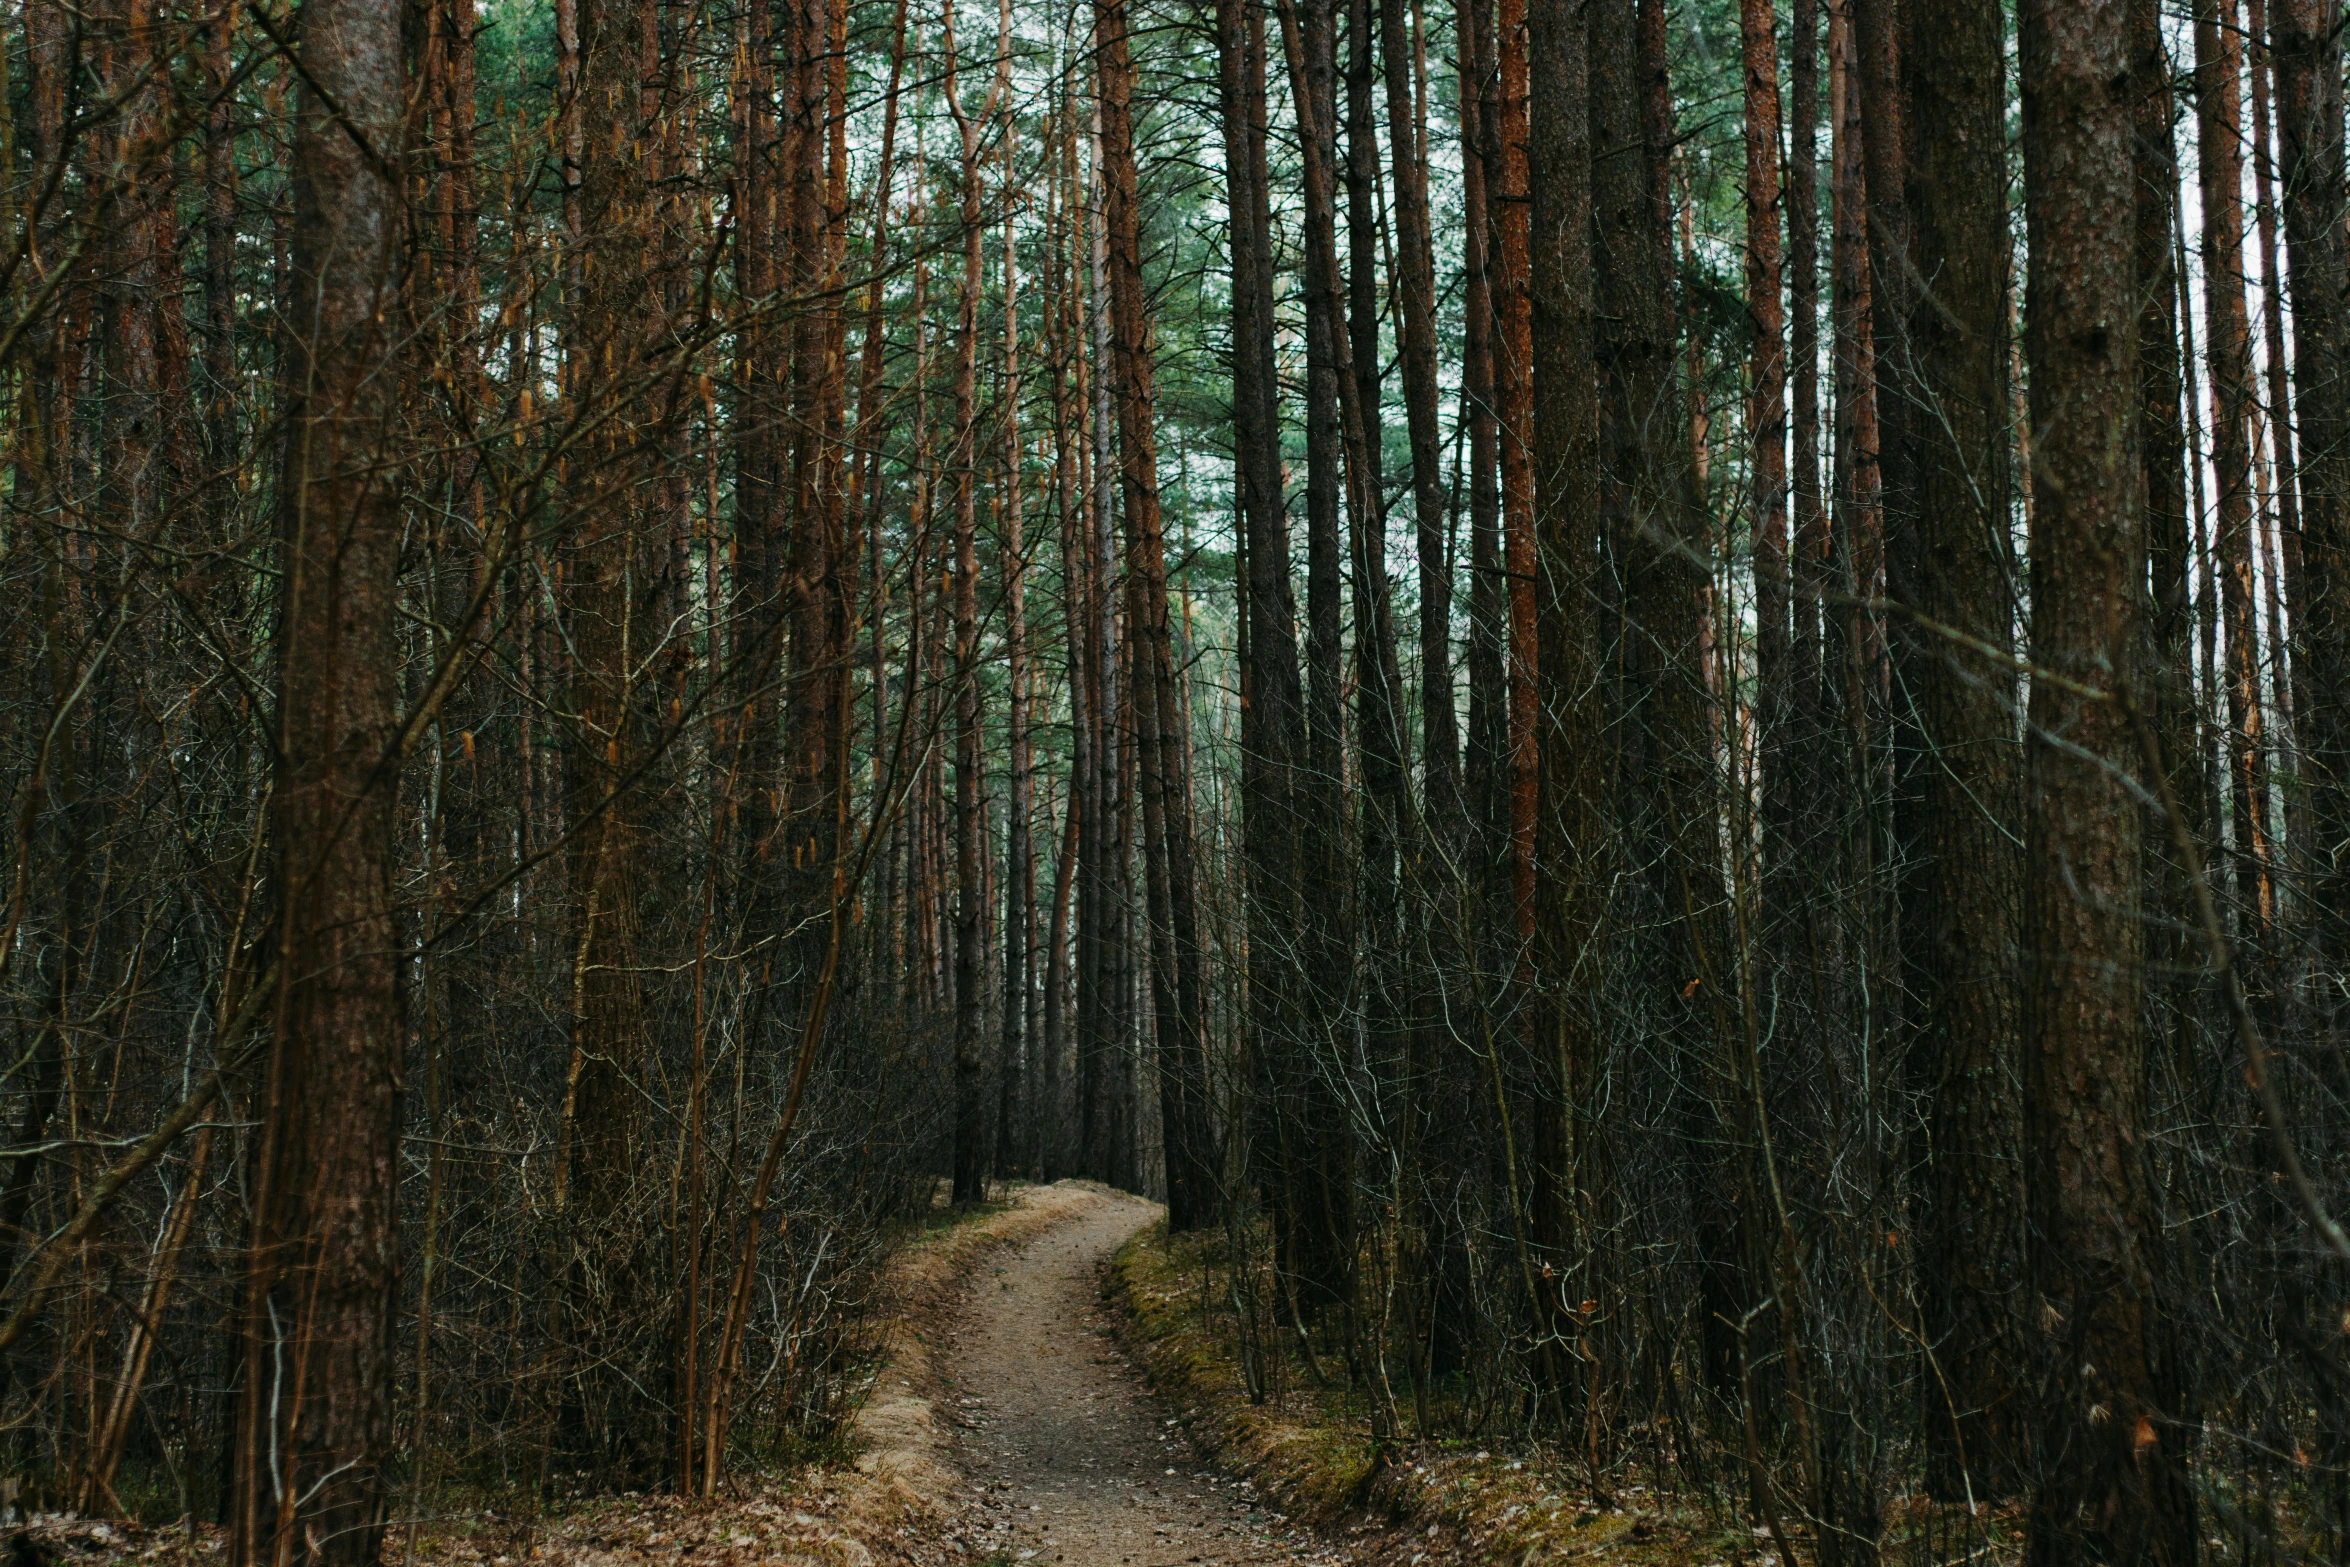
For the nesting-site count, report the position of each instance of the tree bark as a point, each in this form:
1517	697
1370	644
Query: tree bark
1272	712
314	1428
2219	139
820	572
1486	769
2113	1484
1315	1221
1957	807
1513	382
2281	522
970	1180
1766	429
1014	1119
1809	542
2309	124
1654	525
1565	430
2164	448
1415	300
616	586
1179	978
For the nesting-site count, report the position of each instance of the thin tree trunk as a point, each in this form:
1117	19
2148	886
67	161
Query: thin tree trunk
616	580
1272	700
110	1435
2164	452
2309	123
1808	568
1051	1117
1013	1152
1103	1045
1179	978
1414	288
2281	528
1881	121
1378	681
1853	638
865	476
1513	381
1487	758
970	951
1314	1215
2219	136
1766	429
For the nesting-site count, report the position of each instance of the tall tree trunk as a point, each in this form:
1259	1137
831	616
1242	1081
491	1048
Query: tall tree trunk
314	1426
615	581
1845	820
1065	319
1808	566
1875	83
1315	1217
1957	806
820	571
1415	298
762	370
865	497
2282	526
2309	126
1385	818
1179	977
1379	735
2164	448
970	840
146	457
220	247
1566	472
2219	143
1487	752
1013	1117
1766	428
2114	1484
1083	621
1103	1046
1654	524
1272	711
1363	230
1513	382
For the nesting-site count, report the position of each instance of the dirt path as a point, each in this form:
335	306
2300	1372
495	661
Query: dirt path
1008	1432
1066	1456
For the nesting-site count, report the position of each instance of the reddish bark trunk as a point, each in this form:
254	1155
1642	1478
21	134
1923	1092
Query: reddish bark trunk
314	1430
1179	976
2219	137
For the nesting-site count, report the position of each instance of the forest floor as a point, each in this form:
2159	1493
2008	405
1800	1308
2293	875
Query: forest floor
1007	1427
1049	1391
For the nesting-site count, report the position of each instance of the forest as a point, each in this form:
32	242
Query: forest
1650	699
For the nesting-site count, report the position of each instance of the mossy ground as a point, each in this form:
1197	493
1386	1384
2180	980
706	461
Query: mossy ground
1468	1500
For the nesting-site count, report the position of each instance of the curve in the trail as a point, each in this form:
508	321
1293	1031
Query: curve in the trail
1067	1458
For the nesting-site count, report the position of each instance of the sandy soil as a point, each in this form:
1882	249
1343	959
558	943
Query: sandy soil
1065	1455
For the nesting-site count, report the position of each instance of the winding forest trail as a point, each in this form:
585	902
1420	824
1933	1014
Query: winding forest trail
1066	1456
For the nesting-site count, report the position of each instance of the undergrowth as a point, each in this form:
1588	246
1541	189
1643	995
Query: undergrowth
1309	1441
